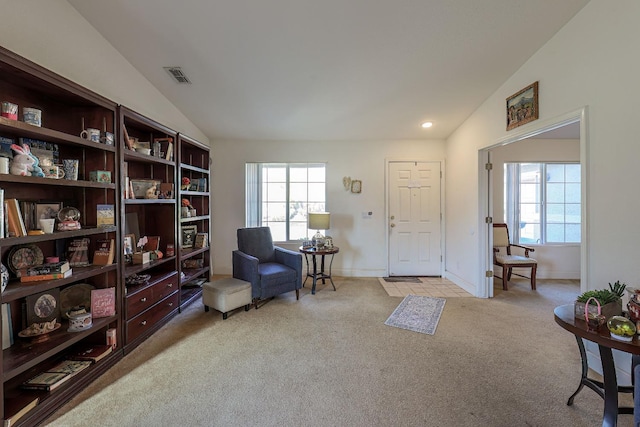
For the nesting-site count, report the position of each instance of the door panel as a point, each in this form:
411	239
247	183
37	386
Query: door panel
414	219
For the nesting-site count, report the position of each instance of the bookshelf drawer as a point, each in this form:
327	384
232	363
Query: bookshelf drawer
165	287
145	321
139	302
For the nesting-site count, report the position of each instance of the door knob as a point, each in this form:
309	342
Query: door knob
392	225
393	217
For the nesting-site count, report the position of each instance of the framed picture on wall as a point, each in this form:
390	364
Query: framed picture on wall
522	106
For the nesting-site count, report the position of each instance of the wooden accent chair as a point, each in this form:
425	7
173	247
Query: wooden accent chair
507	260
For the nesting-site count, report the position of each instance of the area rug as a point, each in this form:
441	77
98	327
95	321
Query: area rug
417	313
401	279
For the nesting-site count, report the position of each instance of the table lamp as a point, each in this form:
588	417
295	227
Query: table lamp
319	221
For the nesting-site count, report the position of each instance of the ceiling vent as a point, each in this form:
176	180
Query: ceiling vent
178	75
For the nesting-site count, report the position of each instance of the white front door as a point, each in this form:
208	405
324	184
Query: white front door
414	219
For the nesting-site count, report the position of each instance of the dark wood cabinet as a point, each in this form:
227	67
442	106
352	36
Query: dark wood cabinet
194	189
150	214
67	109
146	169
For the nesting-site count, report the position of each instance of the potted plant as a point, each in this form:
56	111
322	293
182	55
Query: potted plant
610	301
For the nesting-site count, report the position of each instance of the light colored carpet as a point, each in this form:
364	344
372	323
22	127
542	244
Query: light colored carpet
417	313
329	360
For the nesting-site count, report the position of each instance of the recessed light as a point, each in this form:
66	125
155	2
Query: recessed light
427	125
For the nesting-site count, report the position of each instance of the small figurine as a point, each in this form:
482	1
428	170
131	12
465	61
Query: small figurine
151	192
23	162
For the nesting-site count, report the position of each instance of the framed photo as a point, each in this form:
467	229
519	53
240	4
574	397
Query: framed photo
43	307
47	210
129	244
153	243
356	186
522	107
188	235
142	188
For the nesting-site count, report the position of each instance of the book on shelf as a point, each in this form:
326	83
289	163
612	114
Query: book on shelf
16	407
71	367
50	276
92	353
15	220
47	268
7	327
202	240
105	215
77	252
105	252
103	302
47	381
2	214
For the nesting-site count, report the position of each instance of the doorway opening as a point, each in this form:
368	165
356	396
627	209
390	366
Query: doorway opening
561	139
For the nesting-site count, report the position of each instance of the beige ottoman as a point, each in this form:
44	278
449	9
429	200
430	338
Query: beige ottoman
225	295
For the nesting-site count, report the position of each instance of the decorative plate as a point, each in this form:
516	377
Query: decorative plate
75	296
39	329
24	257
137	279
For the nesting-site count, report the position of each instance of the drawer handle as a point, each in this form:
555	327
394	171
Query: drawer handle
170	285
170	304
143	299
143	323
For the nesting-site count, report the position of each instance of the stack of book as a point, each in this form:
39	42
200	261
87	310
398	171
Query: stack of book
56	376
50	271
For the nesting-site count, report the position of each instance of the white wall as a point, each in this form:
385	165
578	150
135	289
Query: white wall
361	241
587	63
54	35
554	261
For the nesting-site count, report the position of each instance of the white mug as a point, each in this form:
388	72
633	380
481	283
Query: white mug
91	134
53	171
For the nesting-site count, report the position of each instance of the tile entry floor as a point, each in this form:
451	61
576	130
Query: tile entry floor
428	286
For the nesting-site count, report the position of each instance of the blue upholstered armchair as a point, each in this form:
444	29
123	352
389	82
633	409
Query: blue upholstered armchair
270	269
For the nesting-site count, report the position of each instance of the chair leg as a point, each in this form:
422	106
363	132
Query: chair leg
297	294
505	272
206	308
533	277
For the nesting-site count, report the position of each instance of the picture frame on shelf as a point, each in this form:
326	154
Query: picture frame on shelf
129	244
188	235
43	306
48	210
141	187
522	106
153	243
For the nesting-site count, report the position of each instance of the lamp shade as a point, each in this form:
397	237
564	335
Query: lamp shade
319	220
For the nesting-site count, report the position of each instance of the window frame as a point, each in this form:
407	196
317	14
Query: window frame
513	202
255	200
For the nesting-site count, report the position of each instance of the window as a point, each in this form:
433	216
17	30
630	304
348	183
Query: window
279	196
543	211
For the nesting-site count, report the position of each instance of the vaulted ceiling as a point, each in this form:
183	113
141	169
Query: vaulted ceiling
331	69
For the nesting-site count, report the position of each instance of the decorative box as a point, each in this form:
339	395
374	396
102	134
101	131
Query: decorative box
141	257
100	176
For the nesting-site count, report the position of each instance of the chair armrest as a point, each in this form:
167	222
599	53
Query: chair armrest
289	258
245	267
526	249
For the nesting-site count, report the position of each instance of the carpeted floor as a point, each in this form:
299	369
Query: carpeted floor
329	360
